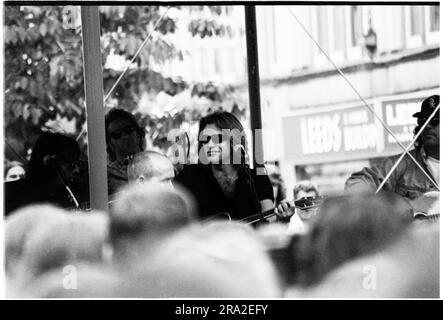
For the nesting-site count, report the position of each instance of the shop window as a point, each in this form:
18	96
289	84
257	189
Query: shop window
320	31
414	20
432	24
354	31
356	25
337	32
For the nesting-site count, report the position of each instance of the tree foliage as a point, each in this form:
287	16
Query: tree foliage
44	66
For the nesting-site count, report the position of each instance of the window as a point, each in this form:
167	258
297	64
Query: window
337	33
322	27
320	30
432	24
414	19
354	31
339	28
356	25
274	36
434	15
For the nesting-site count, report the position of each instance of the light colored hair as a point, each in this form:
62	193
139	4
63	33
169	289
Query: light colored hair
347	227
409	268
217	260
148	210
19	228
77	238
147	163
306	186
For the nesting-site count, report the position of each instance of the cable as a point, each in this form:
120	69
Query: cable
250	181
404	153
129	64
136	54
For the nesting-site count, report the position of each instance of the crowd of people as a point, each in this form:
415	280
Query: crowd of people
187	234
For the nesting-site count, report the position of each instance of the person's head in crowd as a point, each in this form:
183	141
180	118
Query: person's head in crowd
430	137
221	139
143	214
20	226
408	268
14	170
124	137
282	247
150	166
350	226
54	160
79	238
305	189
214	260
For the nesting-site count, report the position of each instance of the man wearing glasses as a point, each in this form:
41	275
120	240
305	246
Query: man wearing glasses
124	139
408	180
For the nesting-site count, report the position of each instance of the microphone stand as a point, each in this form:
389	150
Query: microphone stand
251	185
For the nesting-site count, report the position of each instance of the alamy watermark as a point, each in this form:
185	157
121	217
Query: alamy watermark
228	146
69	281
369	281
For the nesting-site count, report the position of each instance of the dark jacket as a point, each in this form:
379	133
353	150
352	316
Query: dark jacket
23	192
211	200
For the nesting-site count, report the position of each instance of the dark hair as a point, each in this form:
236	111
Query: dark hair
115	114
432	102
55	145
419	142
348	227
277	180
225	120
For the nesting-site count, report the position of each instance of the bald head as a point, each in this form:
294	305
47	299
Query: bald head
150	166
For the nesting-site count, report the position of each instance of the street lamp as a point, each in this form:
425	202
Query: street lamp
370	37
370	41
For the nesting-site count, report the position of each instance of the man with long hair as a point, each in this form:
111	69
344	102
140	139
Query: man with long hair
222	181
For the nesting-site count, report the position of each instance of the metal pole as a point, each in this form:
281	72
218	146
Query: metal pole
93	79
254	85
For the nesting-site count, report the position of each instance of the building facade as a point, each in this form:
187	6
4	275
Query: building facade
316	125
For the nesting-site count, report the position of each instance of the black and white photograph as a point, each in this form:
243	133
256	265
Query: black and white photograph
229	151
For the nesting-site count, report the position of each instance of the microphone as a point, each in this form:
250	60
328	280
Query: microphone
249	179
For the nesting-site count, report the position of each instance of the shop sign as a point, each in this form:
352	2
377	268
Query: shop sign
349	133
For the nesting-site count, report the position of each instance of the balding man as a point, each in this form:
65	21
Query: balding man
150	166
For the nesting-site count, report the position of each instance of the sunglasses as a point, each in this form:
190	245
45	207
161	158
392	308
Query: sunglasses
125	131
215	138
16	176
433	122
